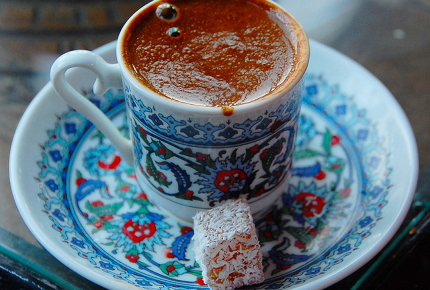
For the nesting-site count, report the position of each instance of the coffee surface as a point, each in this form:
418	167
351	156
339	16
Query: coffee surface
217	53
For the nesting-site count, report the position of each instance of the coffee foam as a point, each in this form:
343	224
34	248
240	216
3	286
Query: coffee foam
169	75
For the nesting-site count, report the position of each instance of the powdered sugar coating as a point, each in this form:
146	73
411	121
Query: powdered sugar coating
226	246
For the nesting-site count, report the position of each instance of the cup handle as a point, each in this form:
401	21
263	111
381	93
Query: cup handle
108	76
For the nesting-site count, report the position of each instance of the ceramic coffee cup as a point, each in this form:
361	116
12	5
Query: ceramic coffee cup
188	157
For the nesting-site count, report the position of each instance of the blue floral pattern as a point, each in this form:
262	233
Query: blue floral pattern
208	162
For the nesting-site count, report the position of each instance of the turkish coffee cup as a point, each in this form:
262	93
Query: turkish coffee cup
196	139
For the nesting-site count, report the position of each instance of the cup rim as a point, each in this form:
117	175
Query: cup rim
303	44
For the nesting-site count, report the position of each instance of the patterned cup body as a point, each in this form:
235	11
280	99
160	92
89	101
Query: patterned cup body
191	161
190	158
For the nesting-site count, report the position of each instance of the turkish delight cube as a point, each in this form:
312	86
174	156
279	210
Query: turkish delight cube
226	246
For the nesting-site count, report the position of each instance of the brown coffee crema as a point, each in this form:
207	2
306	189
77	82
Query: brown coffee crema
218	53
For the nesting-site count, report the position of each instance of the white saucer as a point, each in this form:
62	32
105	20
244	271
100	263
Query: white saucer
354	178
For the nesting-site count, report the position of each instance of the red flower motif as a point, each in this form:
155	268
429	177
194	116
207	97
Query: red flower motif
132	258
106	218
312	231
299	244
320	175
142	131
263	155
345	192
138	232
125	188
162	175
267	234
143	196
260	192
201	157
189	194
254	149
313	205
162	150
112	165
335	140
168	253
171	268
283	267
226	180
200	281
80	180
97	203
148	171
185	230
133	176
98	224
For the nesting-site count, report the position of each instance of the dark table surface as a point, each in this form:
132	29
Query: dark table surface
390	38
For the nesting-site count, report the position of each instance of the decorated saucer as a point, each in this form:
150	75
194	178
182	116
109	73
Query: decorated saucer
354	174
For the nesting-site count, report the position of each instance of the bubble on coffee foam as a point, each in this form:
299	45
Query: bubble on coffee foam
167	12
174	32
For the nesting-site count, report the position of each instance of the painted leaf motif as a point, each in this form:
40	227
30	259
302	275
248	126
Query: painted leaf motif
99	135
336	165
188	152
125	187
307	171
132	251
173	269
163	151
268	233
327	142
152	170
158	176
181	176
180	245
104	209
88	187
142	202
256	190
203	161
143	211
198	168
305	153
269	155
301	234
194	197
196	273
233	157
142	134
251	152
143	266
